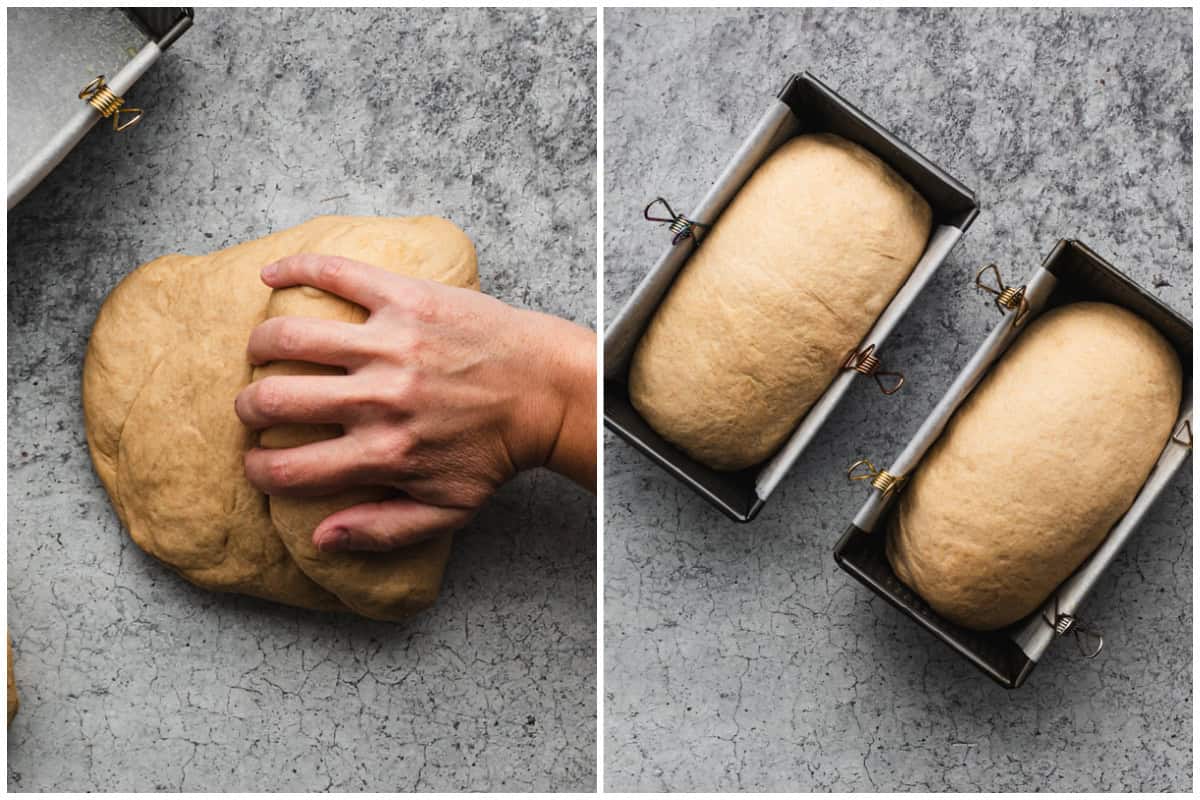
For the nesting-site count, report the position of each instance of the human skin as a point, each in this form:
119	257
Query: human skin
448	394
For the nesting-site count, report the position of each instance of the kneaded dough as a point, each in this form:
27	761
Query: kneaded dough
1036	465
762	317
13	703
166	359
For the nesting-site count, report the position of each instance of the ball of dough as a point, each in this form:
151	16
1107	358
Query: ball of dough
165	361
1036	465
793	275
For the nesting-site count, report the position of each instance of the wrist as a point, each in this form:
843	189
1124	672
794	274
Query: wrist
566	417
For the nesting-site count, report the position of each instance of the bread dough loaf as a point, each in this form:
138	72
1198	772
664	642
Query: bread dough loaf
13	703
166	359
762	317
1036	465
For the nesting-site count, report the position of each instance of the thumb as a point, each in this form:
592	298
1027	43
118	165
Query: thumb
387	525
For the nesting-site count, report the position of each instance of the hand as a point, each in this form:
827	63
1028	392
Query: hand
448	393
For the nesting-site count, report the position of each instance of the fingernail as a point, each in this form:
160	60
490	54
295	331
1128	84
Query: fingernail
335	539
269	271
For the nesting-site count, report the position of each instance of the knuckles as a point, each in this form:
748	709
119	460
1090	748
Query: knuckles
289	338
268	399
416	300
388	396
330	270
408	343
425	305
398	392
270	471
389	450
280	473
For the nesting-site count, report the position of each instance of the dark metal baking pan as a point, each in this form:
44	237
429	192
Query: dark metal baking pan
163	25
805	105
1071	273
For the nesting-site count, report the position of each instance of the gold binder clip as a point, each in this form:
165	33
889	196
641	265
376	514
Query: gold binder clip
680	226
881	479
101	98
1008	298
865	362
1184	430
1089	640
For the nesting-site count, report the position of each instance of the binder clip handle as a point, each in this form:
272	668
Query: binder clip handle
881	479
866	362
1183	434
1008	298
1088	640
110	105
681	227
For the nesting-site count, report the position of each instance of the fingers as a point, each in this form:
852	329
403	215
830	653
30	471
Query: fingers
277	399
319	468
359	283
318	341
387	525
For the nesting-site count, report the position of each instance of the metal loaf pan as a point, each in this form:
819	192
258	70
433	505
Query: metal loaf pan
1070	273
805	105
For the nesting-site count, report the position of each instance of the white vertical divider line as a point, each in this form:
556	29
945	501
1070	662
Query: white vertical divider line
599	161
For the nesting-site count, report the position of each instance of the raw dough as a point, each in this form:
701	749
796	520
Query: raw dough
1036	465
166	359
13	703
760	320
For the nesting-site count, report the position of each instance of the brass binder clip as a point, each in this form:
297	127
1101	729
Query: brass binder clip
881	479
1008	298
1183	435
101	98
681	227
865	362
1089	640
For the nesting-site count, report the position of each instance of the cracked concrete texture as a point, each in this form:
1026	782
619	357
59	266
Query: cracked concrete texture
741	657
132	679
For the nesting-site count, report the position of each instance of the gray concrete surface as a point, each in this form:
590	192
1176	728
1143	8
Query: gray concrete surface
131	679
741	656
